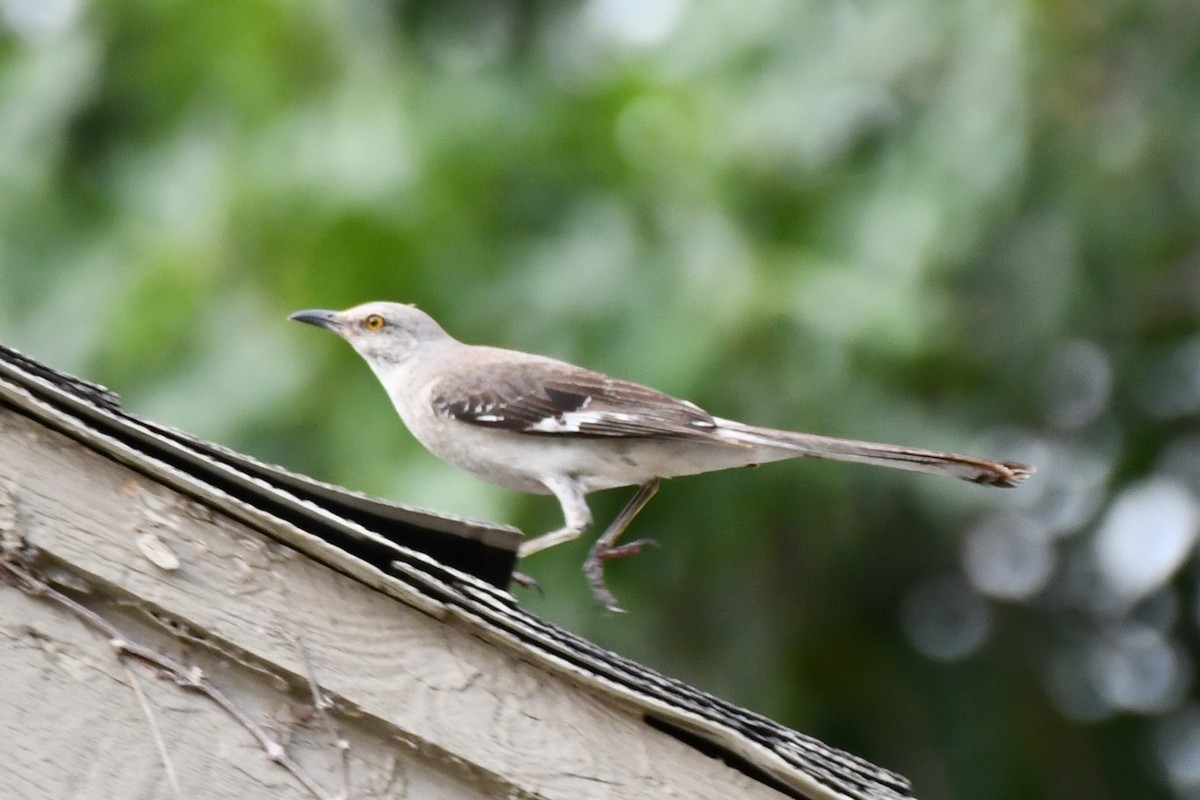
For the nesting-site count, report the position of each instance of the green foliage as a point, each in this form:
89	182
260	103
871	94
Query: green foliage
964	226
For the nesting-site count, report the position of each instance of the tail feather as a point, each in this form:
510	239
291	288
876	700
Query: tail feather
951	465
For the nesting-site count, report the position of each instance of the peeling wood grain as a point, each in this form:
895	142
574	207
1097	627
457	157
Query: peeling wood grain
74	728
10	537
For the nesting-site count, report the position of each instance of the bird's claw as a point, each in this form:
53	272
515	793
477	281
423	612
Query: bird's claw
593	569
526	582
622	550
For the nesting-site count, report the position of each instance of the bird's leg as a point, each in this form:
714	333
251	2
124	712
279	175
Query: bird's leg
576	514
606	546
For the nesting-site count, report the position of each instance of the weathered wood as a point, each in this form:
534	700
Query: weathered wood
424	697
71	725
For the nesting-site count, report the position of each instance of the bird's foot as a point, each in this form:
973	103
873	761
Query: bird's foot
593	569
622	550
526	582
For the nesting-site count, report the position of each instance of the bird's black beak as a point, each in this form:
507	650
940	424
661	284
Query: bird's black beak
319	317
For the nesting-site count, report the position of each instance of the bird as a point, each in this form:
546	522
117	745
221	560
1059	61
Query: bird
535	424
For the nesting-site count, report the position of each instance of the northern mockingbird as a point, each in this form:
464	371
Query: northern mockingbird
538	425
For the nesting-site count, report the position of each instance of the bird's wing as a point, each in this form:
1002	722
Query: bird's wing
541	396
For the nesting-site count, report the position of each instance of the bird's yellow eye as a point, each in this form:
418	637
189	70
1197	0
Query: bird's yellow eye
373	322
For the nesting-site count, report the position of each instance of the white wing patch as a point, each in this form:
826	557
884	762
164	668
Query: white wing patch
573	421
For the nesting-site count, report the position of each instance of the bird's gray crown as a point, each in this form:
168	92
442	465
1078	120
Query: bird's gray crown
382	333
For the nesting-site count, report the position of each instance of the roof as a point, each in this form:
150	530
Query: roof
452	570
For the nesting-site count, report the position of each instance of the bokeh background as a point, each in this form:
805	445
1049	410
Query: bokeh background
970	226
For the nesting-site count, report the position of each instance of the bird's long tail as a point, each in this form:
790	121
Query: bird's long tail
951	465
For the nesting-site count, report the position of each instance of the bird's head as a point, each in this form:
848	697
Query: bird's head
385	334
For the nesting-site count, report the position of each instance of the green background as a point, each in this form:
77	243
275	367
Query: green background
968	226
